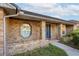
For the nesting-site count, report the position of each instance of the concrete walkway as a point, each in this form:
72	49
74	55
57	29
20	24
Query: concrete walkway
69	50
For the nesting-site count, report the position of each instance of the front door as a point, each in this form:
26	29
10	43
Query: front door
48	31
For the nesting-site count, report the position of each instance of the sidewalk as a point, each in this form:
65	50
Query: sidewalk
69	50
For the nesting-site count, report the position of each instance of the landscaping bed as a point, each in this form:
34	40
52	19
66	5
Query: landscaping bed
70	44
49	50
71	39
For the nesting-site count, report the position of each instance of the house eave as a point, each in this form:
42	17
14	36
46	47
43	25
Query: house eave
35	16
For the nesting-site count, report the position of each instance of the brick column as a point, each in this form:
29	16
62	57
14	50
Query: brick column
62	28
52	32
43	42
43	30
65	30
75	27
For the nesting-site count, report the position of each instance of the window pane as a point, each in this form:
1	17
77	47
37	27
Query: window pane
25	30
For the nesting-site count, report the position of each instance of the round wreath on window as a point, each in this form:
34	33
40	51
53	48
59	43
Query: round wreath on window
25	30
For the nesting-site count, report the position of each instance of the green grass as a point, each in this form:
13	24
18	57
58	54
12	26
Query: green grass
49	50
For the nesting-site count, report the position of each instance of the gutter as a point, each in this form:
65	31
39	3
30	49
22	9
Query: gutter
48	19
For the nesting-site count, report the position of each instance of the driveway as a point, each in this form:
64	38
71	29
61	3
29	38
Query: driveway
69	50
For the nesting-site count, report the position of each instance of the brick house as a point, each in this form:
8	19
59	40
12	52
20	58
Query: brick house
29	30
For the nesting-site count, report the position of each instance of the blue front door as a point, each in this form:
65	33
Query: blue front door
48	31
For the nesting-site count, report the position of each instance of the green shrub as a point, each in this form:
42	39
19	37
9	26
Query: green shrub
65	39
75	35
71	37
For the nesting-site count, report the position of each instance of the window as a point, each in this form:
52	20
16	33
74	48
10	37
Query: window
25	30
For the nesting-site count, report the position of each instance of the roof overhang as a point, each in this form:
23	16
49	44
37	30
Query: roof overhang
30	16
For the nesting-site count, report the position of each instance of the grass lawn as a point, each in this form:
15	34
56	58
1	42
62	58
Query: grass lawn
49	50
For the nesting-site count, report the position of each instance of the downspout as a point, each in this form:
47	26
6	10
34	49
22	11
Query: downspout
4	31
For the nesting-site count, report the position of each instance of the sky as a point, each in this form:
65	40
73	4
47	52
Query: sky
66	11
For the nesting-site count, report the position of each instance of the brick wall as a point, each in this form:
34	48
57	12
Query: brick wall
1	31
76	26
53	31
13	31
1	28
16	43
69	29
